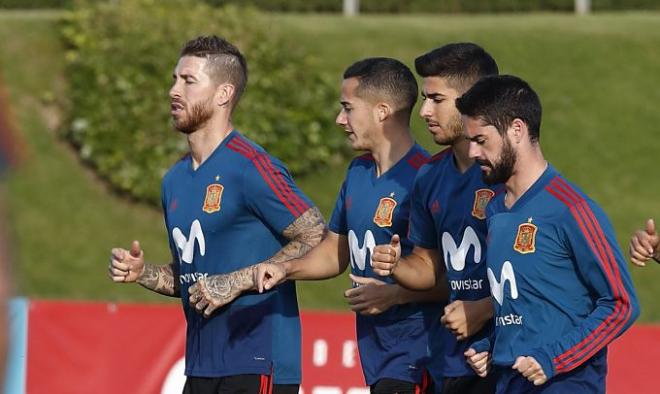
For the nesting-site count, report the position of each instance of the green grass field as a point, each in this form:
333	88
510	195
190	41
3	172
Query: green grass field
597	77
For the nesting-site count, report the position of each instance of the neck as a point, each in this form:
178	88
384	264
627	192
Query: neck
460	150
528	169
203	141
391	149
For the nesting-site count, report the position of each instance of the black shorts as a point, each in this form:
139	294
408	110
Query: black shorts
394	386
286	388
469	384
238	384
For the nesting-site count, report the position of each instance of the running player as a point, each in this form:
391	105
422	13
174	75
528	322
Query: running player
447	219
377	97
228	205
559	280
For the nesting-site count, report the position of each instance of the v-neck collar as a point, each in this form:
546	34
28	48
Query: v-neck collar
395	168
215	152
548	174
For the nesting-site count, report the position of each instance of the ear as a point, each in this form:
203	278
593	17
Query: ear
224	93
382	111
518	130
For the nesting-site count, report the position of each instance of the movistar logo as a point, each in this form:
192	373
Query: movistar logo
497	287
455	255
359	253
186	246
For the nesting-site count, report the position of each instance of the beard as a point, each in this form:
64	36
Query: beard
454	130
199	114
501	171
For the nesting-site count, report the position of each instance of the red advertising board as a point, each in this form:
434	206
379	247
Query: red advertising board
124	348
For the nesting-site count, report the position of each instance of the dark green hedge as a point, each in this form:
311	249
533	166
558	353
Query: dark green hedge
120	64
392	6
440	6
31	4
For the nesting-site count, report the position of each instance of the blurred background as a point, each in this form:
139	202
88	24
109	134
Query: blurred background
86	85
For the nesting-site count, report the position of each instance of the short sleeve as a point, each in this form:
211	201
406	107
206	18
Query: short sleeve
270	192
422	231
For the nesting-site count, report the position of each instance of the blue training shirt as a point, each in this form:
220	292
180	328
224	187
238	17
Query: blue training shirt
560	285
369	210
448	214
226	215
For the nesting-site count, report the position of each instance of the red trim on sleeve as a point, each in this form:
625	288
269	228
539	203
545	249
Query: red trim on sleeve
592	231
273	177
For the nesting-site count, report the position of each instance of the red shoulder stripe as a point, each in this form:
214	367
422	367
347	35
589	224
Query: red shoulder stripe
283	186
268	177
614	323
272	176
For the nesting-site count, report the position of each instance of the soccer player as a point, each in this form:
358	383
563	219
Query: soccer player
228	205
645	245
377	97
447	218
560	285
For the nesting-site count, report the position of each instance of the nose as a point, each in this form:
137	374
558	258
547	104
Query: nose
425	109
474	151
174	91
341	118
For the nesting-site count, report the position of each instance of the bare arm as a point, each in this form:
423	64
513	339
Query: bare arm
438	293
214	291
465	318
327	260
128	266
417	271
374	296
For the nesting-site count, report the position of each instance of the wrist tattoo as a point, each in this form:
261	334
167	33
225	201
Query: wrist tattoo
159	278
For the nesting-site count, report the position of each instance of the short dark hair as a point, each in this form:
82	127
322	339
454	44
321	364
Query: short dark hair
498	100
462	63
385	78
226	63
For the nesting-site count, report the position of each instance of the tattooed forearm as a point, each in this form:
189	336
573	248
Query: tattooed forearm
226	287
304	233
161	279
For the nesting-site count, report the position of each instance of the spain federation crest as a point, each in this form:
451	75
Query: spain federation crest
384	212
213	198
526	238
481	199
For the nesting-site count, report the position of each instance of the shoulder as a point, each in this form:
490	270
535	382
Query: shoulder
441	156
434	164
362	162
418	157
252	156
180	166
565	197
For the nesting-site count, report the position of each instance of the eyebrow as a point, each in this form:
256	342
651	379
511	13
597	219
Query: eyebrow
344	103
184	76
433	95
476	137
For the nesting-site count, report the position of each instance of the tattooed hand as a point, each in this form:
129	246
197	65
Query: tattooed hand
214	291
